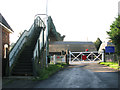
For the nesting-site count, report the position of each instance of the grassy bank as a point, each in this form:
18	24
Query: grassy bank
48	71
111	64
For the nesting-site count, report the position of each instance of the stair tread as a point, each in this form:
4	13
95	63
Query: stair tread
22	74
22	70
25	61
24	64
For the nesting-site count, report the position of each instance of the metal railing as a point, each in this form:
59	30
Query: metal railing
23	38
40	41
17	47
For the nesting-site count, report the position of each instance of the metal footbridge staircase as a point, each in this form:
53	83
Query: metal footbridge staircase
28	56
21	55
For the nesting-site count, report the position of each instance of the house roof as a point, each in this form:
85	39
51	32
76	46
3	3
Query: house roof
4	22
58	46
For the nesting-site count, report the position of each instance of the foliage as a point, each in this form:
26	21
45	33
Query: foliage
111	64
114	33
97	43
48	71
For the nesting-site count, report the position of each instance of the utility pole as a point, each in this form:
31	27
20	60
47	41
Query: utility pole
46	32
87	38
119	8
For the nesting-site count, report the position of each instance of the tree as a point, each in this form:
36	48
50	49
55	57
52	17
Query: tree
114	34
97	43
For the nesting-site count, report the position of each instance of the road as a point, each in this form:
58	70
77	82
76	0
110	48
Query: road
75	76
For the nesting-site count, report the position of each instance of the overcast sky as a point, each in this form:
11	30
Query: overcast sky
79	20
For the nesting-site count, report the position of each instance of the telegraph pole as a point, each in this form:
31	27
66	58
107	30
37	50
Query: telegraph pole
46	32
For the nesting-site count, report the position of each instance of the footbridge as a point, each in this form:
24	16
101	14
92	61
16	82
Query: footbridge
28	55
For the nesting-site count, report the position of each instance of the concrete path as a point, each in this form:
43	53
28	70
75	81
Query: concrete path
90	75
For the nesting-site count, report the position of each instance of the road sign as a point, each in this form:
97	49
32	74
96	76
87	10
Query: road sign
84	57
109	49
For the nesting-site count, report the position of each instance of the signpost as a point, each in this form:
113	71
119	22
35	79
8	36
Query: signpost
109	49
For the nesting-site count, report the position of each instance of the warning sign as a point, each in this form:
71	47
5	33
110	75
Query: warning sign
84	57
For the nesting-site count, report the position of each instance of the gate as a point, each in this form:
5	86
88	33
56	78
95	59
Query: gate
86	57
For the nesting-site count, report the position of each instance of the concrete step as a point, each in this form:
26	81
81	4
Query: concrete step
23	67
24	61
17	77
22	70
22	73
24	64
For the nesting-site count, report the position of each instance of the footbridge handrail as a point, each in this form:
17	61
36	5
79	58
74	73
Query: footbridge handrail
20	42
23	38
40	41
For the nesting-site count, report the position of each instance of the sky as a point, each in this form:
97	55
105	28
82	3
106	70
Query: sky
78	20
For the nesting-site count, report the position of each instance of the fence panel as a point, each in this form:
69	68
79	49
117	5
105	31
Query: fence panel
57	59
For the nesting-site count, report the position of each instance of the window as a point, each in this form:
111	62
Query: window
5	50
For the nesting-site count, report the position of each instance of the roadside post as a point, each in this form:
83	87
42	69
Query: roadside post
103	55
110	50
67	57
54	61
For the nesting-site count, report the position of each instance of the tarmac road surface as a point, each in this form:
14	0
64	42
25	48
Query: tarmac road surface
85	75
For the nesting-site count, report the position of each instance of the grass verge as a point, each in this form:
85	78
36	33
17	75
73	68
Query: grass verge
48	71
111	64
